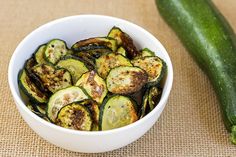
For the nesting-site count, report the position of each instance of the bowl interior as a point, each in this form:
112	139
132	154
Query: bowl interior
72	29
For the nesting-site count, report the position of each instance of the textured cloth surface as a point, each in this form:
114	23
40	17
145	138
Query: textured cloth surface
190	125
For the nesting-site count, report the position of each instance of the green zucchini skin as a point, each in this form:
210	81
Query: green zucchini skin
211	41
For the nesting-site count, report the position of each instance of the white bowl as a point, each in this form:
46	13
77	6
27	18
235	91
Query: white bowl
72	29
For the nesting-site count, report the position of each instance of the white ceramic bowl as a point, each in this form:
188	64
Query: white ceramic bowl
72	29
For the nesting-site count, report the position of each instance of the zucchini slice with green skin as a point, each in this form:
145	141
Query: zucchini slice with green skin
74	116
39	54
55	49
154	66
94	85
145	104
109	61
87	59
147	52
121	51
62	98
74	66
126	80
124	40
30	89
117	111
95	43
52	79
154	97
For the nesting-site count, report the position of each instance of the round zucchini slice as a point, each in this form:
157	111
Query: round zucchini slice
116	112
74	66
74	116
62	98
30	89
126	80
39	54
154	66
55	49
52	79
107	62
154	97
94	85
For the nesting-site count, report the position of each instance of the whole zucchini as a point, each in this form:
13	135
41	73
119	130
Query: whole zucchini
212	43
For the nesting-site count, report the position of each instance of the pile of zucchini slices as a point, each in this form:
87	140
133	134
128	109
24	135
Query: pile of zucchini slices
101	83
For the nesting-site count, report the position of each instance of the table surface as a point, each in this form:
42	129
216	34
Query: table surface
190	125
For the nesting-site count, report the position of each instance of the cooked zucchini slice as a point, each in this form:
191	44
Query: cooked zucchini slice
87	59
125	79
39	54
94	85
41	108
125	41
95	43
55	49
147	52
154	97
74	66
144	109
107	62
29	64
122	51
74	116
93	108
154	66
116	112
62	98
30	89
53	79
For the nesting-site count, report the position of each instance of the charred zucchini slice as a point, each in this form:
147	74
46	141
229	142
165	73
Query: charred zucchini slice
87	59
125	79
116	112
94	85
154	97
53	79
62	98
144	109
30	89
55	49
125	41
154	66
74	116
95	43
121	51
39	54
107	62
74	66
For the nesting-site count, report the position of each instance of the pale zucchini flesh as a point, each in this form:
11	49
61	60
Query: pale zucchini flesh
116	112
62	98
39	54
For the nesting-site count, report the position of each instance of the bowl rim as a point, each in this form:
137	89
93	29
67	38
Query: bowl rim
21	104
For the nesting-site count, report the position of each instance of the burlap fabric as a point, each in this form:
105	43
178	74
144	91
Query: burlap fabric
190	124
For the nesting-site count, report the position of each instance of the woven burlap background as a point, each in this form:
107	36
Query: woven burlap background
190	124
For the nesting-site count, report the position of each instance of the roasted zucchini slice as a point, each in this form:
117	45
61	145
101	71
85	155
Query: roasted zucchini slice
125	41
55	49
39	54
94	85
125	79
107	62
29	64
121	51
147	52
154	97
74	116
30	89
74	66
154	66
41	108
62	98
145	108
94	110
95	43
116	112
52	79
87	59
